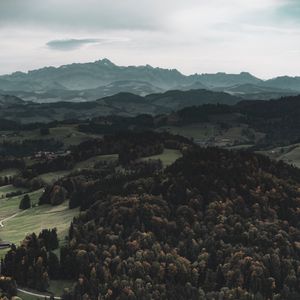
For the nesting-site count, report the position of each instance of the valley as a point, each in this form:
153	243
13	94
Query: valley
150	189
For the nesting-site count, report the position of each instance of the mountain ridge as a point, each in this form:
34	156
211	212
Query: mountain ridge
93	80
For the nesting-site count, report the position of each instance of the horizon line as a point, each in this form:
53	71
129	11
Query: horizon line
146	65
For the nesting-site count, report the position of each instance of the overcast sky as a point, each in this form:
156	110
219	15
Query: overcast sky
194	36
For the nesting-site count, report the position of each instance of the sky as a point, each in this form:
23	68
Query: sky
194	36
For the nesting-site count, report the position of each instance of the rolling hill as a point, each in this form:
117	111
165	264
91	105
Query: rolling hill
126	104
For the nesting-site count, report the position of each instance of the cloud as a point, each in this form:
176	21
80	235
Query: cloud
142	15
88	14
192	35
289	12
71	44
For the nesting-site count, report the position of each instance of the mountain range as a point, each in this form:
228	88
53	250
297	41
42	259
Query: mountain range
79	82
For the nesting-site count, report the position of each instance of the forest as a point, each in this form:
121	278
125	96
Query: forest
278	119
215	224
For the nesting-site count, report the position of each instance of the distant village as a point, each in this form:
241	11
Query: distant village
48	155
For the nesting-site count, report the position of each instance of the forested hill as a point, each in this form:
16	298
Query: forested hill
216	224
275	122
125	104
277	119
282	108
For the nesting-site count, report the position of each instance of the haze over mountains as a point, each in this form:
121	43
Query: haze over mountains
123	104
80	82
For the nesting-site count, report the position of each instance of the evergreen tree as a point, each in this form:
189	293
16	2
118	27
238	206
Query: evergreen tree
25	202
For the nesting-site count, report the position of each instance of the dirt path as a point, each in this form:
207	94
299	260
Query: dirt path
8	218
37	295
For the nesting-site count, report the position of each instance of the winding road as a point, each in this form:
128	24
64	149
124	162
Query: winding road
37	295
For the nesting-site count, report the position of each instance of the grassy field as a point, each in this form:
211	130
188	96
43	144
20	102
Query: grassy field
167	157
197	131
37	218
68	134
203	133
233	133
292	156
51	177
289	154
9	172
19	222
8	189
89	163
22	222
240	147
10	206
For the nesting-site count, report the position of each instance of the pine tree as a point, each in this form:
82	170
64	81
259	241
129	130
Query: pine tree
25	202
53	266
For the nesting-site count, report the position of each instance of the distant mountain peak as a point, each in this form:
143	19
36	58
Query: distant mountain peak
246	74
149	66
105	62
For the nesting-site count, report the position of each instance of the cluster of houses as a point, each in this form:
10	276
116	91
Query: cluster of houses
215	141
49	155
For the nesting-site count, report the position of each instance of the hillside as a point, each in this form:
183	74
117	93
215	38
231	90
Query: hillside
175	100
209	118
256	124
8	100
186	235
261	91
276	121
213	224
284	82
